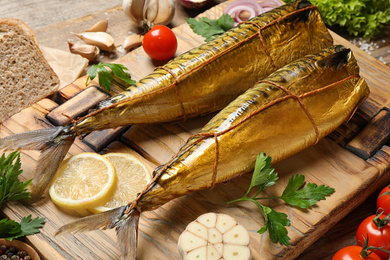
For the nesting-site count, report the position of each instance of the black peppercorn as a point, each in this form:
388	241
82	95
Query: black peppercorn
21	254
3	248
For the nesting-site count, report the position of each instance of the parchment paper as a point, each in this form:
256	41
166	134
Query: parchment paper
66	65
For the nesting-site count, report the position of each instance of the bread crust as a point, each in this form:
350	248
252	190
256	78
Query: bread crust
31	89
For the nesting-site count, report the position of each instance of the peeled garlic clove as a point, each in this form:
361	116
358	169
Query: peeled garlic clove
99	26
132	41
189	241
214	236
102	40
225	223
236	252
85	50
237	235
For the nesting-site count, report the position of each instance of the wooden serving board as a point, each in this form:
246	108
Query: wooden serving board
353	160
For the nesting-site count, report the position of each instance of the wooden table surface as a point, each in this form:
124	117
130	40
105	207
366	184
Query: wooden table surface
45	16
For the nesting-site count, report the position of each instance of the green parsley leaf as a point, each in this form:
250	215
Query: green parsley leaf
276	227
10	229
31	226
306	196
10	186
13	189
210	28
106	77
295	194
263	176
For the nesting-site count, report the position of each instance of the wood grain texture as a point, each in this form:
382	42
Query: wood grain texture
326	163
372	137
38	15
77	105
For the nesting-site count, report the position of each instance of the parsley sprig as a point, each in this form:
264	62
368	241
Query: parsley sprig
10	229
13	189
10	186
211	28
107	77
296	193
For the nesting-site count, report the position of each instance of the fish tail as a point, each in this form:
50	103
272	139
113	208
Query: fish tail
125	223
53	143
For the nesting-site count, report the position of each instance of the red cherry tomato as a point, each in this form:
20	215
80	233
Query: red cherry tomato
383	201
377	237
353	253
160	43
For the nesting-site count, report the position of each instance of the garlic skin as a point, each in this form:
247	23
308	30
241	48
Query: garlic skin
147	13
102	40
85	50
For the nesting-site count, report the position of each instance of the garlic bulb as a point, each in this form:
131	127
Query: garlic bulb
214	236
149	12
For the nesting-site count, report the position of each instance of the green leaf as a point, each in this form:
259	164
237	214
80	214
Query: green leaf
295	194
306	196
210	28
31	226
357	17
10	186
106	77
119	71
9	228
225	22
263	175
275	223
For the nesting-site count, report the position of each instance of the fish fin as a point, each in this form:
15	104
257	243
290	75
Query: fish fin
31	140
47	165
53	143
127	234
126	226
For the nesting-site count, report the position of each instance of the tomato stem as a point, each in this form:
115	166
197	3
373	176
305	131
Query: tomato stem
380	223
367	250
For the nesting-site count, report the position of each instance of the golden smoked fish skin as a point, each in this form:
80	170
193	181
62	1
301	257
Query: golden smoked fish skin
285	113
207	78
320	92
203	80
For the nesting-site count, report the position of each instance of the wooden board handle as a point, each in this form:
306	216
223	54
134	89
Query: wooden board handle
372	137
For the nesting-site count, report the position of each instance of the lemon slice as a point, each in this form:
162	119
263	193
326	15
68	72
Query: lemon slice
83	181
133	176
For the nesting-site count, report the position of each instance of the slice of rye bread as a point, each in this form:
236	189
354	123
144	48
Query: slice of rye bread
25	75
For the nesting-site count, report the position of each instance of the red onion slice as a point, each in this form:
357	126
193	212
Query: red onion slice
269	4
253	7
234	9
